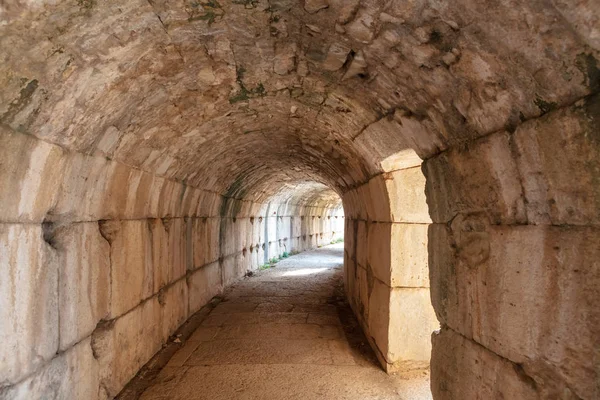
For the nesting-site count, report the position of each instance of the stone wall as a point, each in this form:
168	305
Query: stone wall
514	260
138	105
386	261
102	262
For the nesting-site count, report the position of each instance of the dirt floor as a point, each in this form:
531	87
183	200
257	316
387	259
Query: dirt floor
282	333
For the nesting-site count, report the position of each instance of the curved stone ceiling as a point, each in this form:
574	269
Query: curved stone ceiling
244	97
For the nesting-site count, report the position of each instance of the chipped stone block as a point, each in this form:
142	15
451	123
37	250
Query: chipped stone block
336	56
84	280
30	173
462	369
203	285
28	301
483	178
499	285
124	345
174	307
412	320
397	254
132	267
406	192
72	374
558	157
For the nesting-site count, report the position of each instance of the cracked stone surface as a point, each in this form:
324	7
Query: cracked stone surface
154	152
277	335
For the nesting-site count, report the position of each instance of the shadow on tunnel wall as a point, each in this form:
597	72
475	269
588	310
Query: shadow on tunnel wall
386	265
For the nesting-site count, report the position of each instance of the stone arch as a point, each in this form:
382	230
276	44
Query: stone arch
157	133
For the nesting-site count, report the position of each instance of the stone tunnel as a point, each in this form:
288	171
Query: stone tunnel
153	153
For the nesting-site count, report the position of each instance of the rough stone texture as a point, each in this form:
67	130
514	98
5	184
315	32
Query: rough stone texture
525	270
84	280
70	375
144	114
29	302
492	377
387	280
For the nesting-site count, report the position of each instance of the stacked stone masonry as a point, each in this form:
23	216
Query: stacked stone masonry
105	283
152	152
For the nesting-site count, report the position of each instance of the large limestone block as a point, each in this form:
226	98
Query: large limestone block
397	254
232	235
528	293
481	178
364	286
176	231
203	285
132	267
361	241
199	241
462	369
412	320
160	254
378	250
213	239
84	280
406	193
229	268
380	141
559	161
174	307
379	317
83	187
70	375
124	345
30	173
378	203
28	301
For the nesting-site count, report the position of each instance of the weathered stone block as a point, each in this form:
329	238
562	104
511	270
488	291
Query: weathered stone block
397	254
499	285
84	280
483	178
132	268
82	187
124	345
28	301
378	200
462	369
176	263
30	173
203	285
379	317
361	243
406	192
559	161
174	303
412	320
70	375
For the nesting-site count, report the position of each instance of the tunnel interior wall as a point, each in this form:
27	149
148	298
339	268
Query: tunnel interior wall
514	260
102	262
499	98
386	266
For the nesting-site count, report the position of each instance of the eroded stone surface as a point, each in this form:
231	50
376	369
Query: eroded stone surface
206	138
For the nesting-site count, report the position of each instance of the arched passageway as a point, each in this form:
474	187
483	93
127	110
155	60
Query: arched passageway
145	145
282	333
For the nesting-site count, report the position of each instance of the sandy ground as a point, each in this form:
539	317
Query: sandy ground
283	333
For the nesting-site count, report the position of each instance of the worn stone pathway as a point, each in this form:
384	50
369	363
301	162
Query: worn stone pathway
282	333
